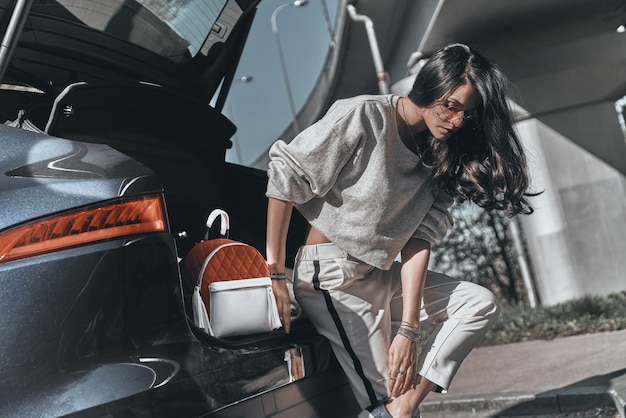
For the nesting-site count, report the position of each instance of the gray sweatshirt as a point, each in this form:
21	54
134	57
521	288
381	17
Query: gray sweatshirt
351	176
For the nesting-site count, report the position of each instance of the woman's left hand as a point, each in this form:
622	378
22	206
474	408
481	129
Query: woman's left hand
283	303
402	365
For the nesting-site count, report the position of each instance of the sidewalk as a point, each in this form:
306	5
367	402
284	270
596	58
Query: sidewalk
537	378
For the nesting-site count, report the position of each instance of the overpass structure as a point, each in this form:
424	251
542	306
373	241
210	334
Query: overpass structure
567	62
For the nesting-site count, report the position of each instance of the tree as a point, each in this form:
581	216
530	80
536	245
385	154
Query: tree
479	248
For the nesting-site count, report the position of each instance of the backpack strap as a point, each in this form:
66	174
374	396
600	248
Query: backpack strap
224	222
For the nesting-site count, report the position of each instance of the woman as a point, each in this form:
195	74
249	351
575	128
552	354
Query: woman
374	178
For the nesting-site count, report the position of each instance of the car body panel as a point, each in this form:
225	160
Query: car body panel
43	175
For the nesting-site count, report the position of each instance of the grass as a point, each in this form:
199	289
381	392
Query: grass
586	315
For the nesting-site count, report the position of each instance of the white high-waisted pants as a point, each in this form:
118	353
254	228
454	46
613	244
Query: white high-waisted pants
352	304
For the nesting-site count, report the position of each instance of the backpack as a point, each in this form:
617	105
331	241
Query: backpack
213	261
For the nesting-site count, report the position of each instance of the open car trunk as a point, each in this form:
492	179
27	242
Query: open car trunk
181	139
139	76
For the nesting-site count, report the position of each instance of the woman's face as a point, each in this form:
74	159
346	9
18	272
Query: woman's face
447	115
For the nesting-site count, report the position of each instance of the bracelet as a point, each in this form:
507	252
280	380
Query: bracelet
290	356
278	276
406	324
414	336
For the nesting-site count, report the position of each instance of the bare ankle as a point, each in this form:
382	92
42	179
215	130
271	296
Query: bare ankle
400	408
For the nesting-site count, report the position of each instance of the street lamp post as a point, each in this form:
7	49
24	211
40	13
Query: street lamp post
242	79
381	74
292	107
329	26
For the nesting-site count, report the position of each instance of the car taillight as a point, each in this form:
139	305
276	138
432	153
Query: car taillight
122	218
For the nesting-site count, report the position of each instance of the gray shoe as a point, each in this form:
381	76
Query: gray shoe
381	412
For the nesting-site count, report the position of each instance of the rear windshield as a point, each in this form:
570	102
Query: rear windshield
175	29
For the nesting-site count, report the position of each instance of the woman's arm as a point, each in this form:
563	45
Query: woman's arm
278	219
403	351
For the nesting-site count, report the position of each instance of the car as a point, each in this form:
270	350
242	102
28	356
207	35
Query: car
112	156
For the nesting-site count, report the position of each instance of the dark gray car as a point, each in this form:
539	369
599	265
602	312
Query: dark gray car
111	158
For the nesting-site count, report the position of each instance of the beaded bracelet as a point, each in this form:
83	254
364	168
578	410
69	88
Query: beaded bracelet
278	276
414	336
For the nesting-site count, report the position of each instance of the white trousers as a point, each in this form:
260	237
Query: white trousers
352	304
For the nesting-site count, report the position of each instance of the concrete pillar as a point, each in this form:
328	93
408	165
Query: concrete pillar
576	237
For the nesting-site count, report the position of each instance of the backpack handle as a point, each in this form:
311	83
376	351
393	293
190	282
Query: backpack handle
224	222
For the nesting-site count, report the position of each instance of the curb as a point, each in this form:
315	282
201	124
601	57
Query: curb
572	400
619	397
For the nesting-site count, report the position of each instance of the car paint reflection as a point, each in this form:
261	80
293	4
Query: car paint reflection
295	363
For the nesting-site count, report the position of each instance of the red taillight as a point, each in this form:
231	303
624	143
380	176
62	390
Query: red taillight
118	219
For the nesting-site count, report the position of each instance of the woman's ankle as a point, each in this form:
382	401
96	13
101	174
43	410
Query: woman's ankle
399	408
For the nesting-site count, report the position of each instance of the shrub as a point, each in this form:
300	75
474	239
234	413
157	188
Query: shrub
586	315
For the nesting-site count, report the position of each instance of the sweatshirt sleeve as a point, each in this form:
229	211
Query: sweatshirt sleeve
309	165
437	221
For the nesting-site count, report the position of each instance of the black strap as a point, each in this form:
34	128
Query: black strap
344	336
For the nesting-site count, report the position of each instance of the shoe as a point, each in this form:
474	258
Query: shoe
380	412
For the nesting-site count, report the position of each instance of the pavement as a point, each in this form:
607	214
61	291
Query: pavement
537	379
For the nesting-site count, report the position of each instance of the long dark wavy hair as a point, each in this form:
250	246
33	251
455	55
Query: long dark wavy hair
483	161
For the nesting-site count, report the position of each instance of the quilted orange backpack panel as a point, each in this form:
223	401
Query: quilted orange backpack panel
222	259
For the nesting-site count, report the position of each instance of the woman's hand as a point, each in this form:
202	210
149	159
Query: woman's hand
278	218
402	365
283	302
403	352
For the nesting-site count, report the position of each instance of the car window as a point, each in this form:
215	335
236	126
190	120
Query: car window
175	29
